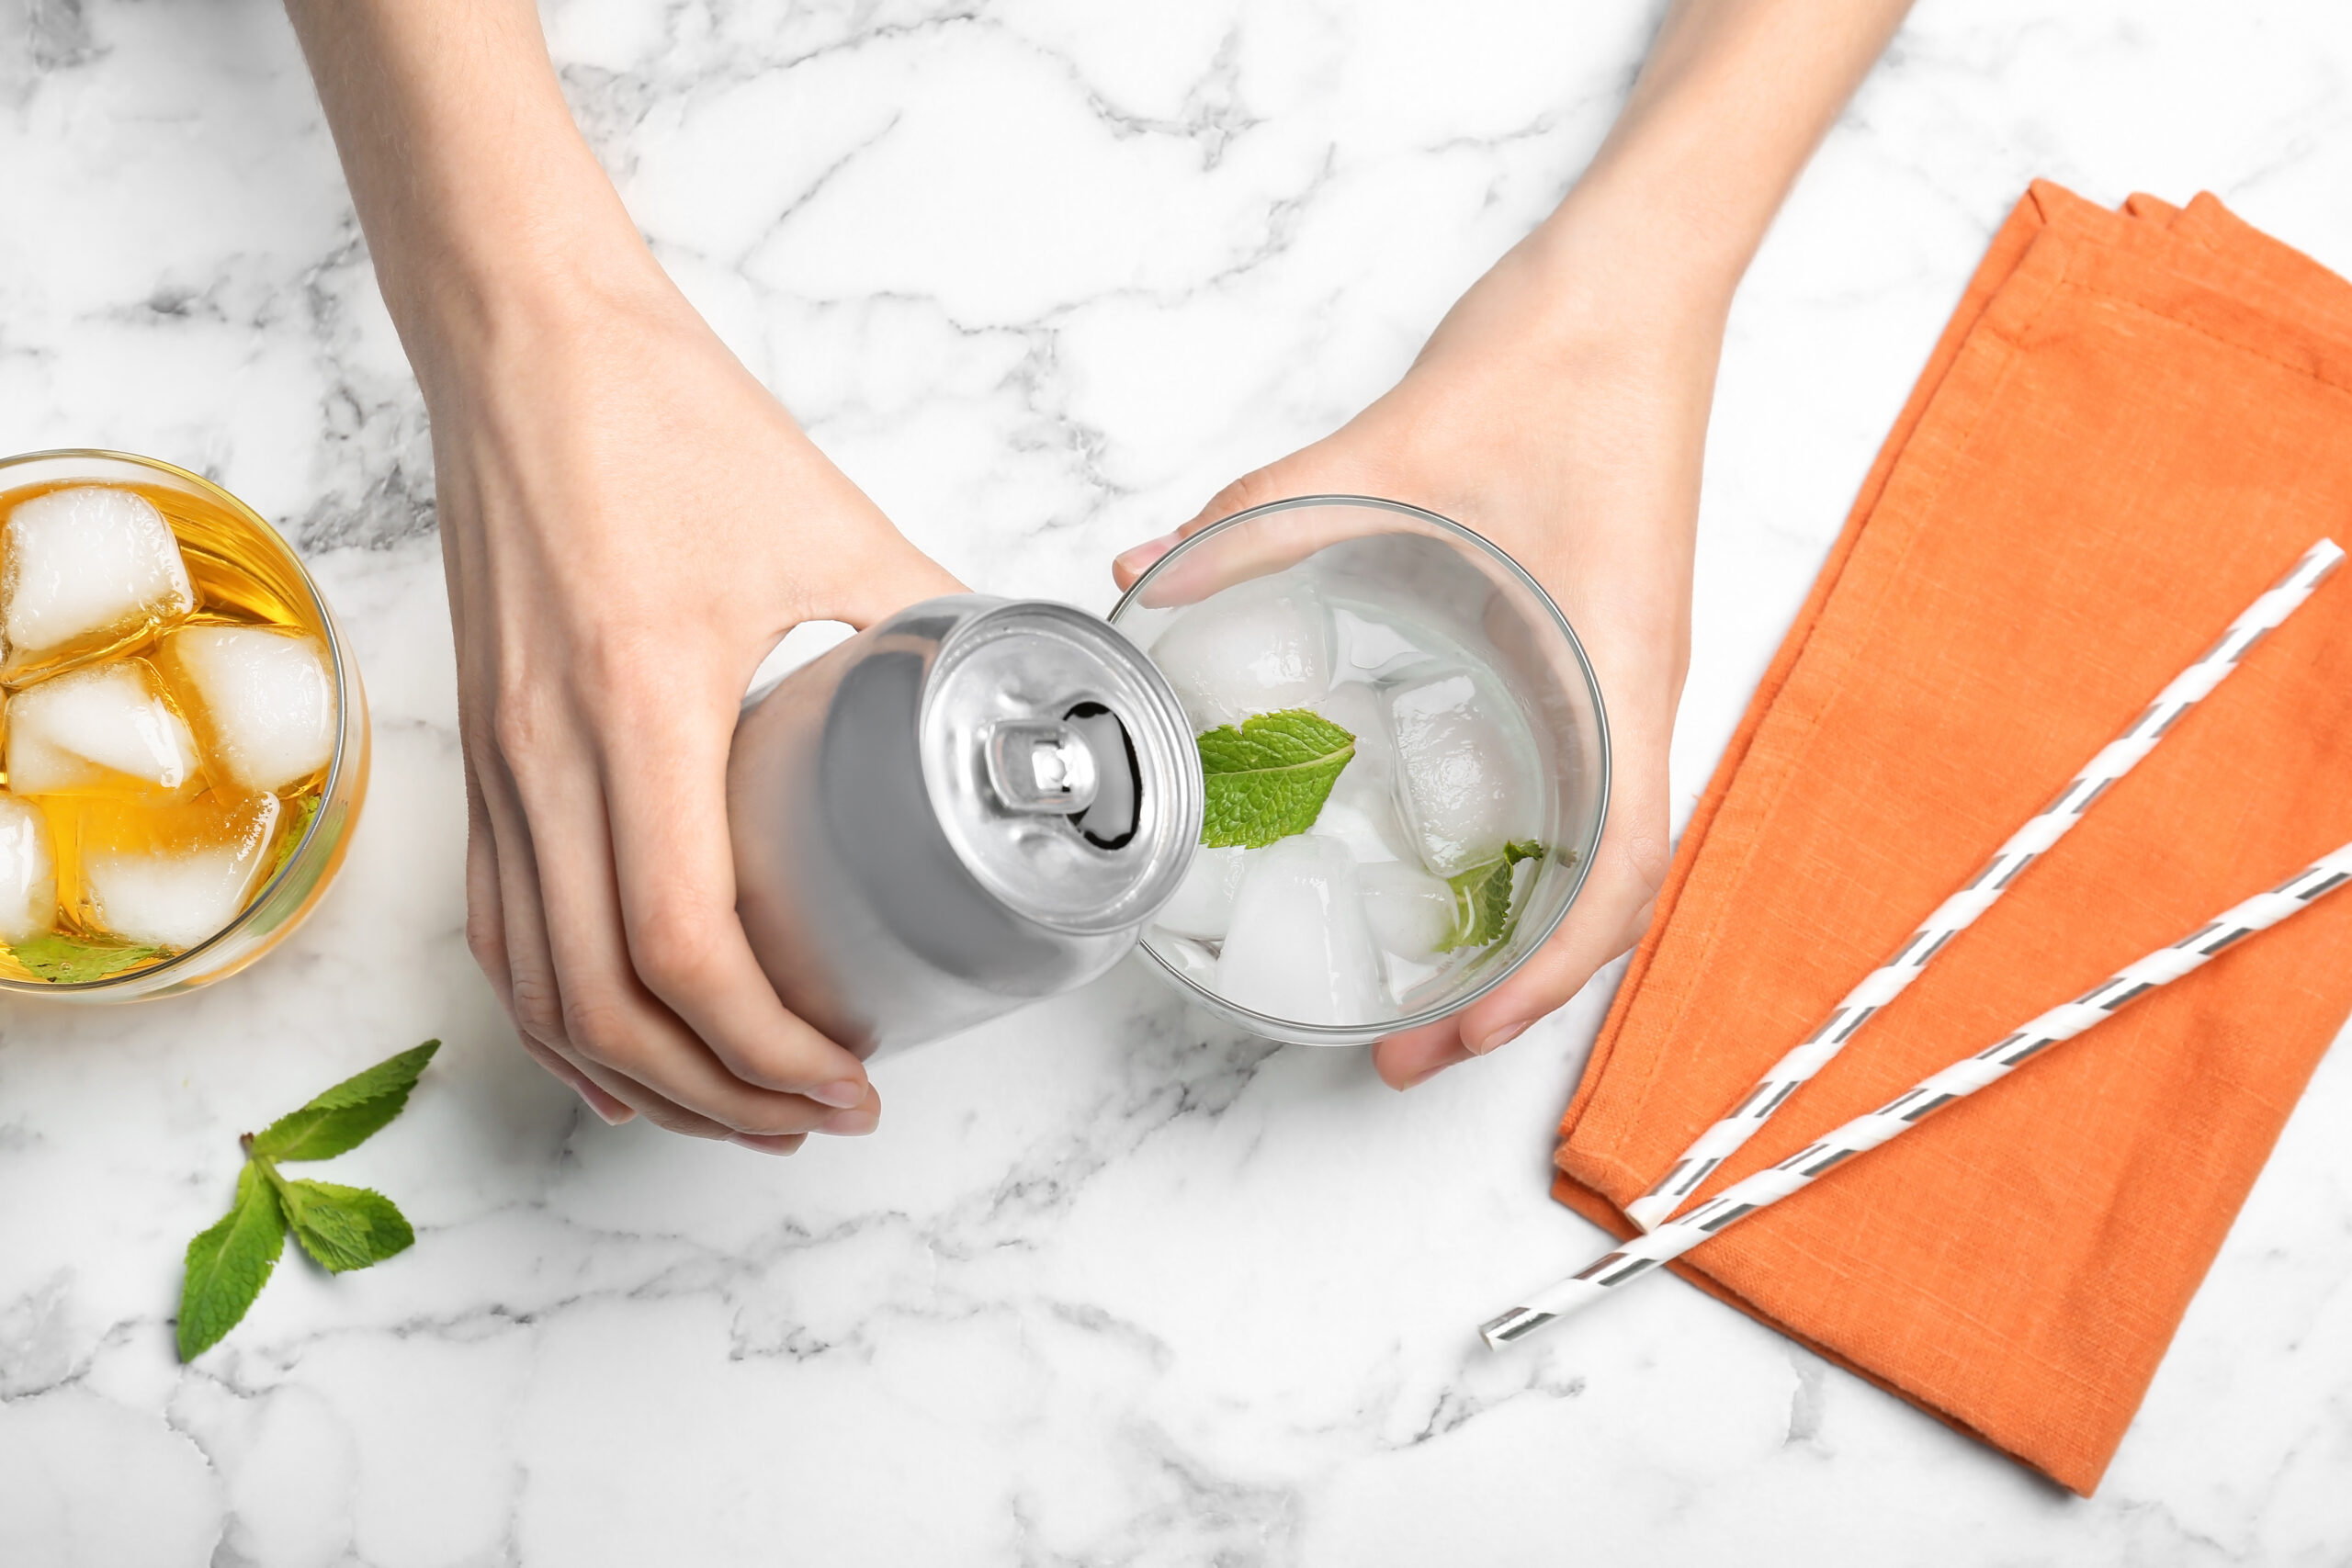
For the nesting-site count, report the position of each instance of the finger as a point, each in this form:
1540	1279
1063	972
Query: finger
1610	913
879	569
486	937
1418	1055
485	914
612	1095
663	1111
890	586
529	991
1253	489
610	1110
635	1099
779	1143
609	1018
534	999
1273	541
675	866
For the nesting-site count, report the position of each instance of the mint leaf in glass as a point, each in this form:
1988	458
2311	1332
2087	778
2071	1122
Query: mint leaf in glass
1268	777
1482	905
228	1265
348	1114
73	960
290	837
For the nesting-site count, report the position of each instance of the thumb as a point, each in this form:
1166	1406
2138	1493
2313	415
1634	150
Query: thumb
1326	468
1252	489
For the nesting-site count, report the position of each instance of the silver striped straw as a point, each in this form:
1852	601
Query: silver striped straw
1959	911
1645	1253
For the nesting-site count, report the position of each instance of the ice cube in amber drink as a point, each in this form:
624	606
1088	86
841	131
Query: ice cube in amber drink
84	571
107	730
27	870
260	698
162	875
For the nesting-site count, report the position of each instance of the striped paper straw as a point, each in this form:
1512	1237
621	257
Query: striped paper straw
1645	1253
1959	911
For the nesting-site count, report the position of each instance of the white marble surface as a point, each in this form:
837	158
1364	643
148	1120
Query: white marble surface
1111	1286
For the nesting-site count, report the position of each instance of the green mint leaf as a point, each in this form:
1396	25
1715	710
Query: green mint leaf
1482	905
290	837
72	959
228	1265
348	1114
343	1227
1268	777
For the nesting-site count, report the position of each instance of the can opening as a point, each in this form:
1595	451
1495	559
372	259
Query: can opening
1039	767
1109	821
1022	703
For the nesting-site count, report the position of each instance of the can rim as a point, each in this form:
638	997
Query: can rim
1360	1034
1182	805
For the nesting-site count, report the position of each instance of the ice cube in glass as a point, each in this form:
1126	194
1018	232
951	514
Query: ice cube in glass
1412	913
28	870
1202	906
1355	707
1466	778
1367	646
108	729
1258	647
1299	947
170	876
260	700
1361	810
85	570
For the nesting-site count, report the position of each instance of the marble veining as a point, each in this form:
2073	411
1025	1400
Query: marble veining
1113	1285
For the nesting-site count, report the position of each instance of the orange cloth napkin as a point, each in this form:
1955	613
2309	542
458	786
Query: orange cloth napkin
2134	425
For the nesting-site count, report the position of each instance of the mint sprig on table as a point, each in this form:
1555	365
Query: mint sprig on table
1482	908
341	1229
1268	777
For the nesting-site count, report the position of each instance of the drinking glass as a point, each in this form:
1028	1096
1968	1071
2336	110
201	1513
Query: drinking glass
234	556
1427	569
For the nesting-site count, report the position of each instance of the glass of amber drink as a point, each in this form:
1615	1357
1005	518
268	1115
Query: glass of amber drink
182	733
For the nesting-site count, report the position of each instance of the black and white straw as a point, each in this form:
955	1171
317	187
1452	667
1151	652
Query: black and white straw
1643	1255
1961	910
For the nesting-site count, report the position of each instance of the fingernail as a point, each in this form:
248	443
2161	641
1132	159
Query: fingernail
842	1096
1499	1038
1418	1079
768	1143
852	1123
612	1115
1143	555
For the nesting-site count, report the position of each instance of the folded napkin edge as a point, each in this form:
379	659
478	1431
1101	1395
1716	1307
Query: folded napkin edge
2079	1479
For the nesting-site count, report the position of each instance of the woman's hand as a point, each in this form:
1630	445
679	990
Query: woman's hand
1560	410
630	522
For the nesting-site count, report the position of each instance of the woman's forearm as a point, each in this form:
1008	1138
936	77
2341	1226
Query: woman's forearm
1732	101
478	195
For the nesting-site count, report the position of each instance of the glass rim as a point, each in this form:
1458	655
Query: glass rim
213	490
1445	527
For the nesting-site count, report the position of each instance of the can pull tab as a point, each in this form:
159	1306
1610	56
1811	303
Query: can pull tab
1040	766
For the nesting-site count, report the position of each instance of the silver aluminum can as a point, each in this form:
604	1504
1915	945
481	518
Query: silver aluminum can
970	805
